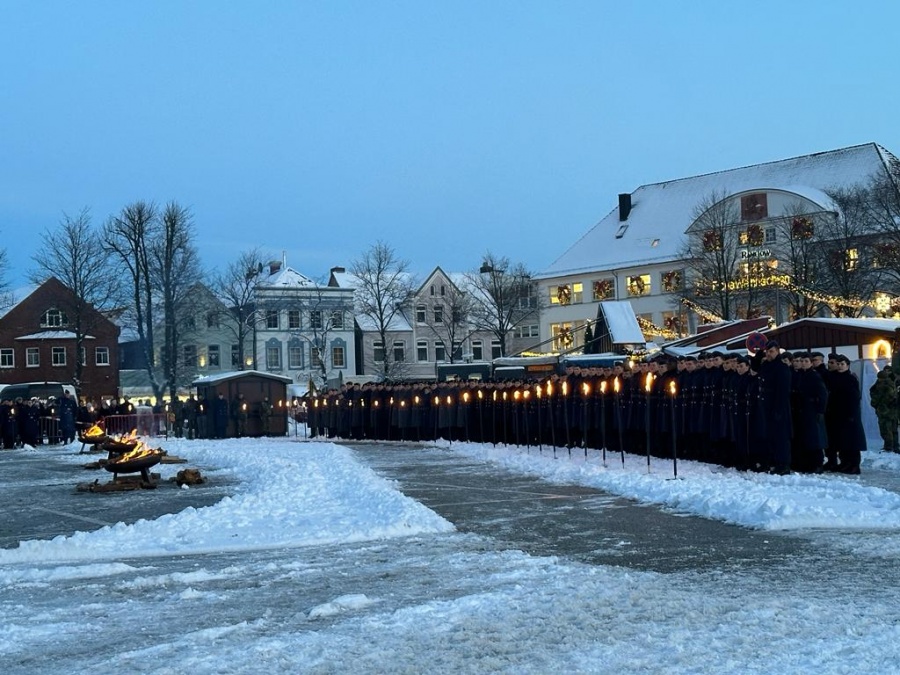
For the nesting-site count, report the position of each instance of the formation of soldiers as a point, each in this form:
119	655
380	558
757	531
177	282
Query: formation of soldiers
773	411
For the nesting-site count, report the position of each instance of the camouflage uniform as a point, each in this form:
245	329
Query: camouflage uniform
883	396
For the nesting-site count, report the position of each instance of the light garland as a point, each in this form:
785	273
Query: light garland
699	311
650	328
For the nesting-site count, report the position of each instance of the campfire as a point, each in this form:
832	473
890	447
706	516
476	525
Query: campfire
137	458
122	442
94	435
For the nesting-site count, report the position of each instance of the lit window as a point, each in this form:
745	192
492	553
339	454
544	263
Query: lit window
603	289
852	259
638	285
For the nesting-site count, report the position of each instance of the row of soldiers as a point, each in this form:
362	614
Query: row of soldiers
759	412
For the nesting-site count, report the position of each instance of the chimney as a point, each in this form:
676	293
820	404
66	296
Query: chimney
274	266
338	270
624	206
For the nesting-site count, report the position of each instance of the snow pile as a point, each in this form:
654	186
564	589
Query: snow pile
753	500
290	494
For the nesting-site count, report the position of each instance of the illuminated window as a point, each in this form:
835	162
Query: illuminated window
566	294
562	335
639	285
852	259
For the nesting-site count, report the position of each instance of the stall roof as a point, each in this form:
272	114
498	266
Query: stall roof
826	333
237	374
622	323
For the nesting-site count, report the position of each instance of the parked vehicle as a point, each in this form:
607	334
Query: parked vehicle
39	390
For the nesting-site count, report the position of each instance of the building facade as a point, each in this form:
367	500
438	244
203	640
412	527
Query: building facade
39	342
641	250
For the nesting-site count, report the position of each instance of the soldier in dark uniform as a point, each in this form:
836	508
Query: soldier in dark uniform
775	385
849	438
220	417
810	397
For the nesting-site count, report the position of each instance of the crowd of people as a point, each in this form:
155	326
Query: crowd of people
772	411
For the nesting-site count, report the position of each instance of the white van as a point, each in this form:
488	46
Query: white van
40	390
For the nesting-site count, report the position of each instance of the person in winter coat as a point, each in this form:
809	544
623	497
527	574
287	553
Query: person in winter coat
220	417
848	438
883	395
775	389
810	400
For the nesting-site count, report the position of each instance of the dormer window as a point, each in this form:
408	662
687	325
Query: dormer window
54	318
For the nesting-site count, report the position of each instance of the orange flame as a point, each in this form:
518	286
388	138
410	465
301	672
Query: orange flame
672	387
95	431
616	385
139	451
648	383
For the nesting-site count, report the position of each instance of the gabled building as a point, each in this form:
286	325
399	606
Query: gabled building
302	329
433	329
635	252
39	342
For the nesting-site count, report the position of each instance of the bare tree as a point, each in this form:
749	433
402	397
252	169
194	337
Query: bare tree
502	298
711	253
800	251
175	267
849	276
236	285
73	254
128	237
6	298
384	288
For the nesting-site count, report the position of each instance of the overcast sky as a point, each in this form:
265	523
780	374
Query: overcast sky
445	129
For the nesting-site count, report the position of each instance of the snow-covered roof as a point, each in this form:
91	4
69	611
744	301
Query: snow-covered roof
397	323
621	322
661	212
345	279
53	335
235	374
286	277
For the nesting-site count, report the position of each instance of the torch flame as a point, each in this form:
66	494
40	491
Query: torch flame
672	387
616	385
648	383
603	387
585	388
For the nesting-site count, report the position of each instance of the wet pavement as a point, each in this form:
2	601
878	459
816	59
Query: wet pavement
580	523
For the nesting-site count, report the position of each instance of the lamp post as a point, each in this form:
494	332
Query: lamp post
619	420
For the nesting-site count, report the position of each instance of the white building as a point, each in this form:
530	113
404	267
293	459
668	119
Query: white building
633	252
302	329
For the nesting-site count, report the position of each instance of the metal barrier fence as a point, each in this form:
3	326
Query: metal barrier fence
145	424
49	433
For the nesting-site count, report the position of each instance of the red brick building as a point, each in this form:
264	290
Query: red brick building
38	342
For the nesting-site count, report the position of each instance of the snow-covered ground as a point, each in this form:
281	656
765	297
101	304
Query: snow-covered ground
316	564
